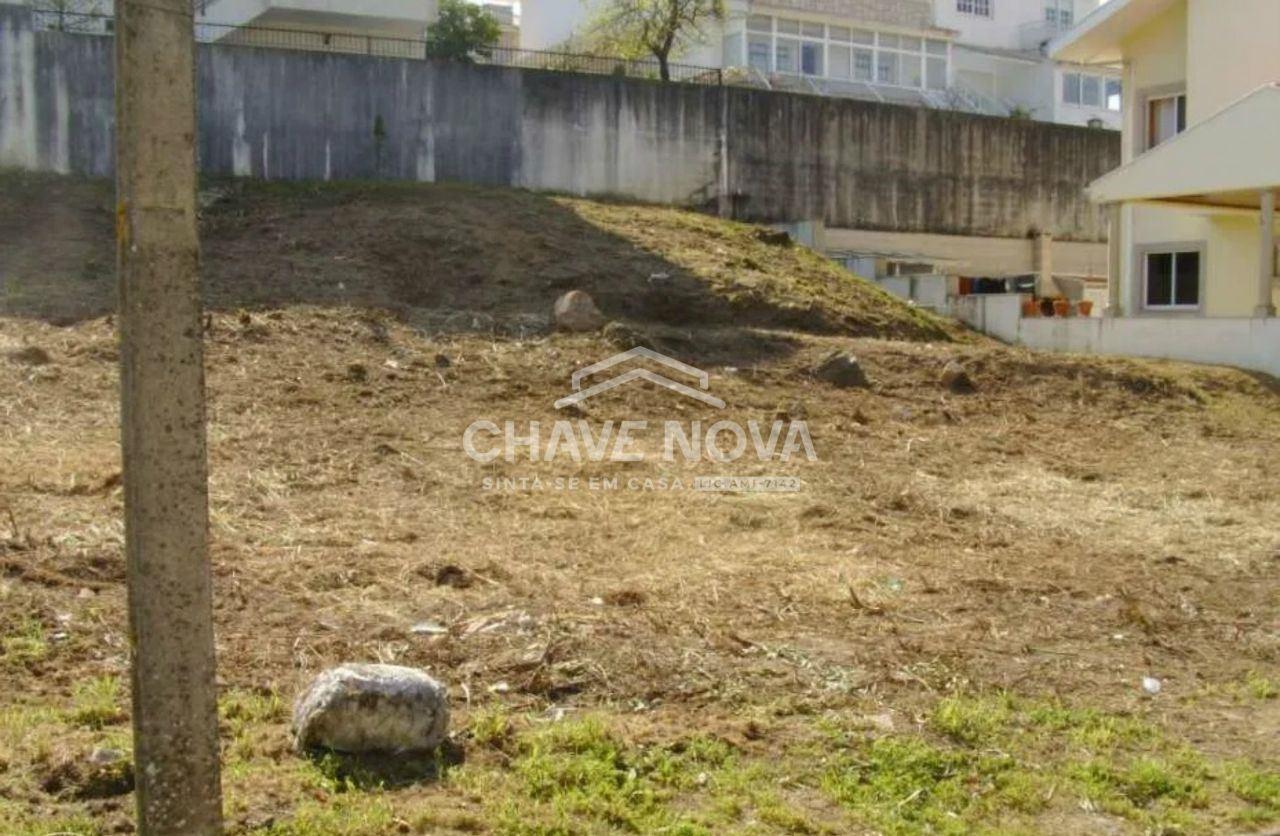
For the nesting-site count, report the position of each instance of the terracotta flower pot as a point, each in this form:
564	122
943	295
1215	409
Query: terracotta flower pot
1061	307
1030	308
1086	307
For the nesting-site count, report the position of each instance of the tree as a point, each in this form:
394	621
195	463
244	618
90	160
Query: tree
463	31
659	29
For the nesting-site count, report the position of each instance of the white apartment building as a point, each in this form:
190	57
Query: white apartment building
980	55
999	54
382	27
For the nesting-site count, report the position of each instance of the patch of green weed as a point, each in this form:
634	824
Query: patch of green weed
25	645
1261	687
905	784
95	703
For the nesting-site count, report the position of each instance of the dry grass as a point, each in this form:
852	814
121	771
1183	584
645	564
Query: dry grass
1072	527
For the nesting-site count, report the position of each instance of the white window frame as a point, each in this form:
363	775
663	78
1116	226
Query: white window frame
1107	81
859	43
1147	139
757	37
1146	251
977	8
1061	14
1103	81
1066	84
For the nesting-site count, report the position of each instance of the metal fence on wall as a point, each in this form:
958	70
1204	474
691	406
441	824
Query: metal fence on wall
355	43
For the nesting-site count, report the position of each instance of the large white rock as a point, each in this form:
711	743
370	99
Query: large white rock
371	708
577	311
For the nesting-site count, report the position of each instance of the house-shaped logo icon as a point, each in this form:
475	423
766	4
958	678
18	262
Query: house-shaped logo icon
702	379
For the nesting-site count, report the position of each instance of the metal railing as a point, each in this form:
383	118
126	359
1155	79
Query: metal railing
599	65
311	40
956	97
383	46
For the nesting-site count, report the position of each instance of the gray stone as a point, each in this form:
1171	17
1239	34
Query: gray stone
359	708
842	370
524	325
956	378
624	337
577	311
103	756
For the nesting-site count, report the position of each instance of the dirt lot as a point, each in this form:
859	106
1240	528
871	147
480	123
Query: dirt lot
946	630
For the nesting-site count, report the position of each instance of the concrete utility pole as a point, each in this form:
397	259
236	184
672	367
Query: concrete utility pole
175	720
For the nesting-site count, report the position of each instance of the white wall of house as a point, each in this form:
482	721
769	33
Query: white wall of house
998	54
1009	24
388	18
837	48
843	41
1015	79
820	31
546	24
1087	95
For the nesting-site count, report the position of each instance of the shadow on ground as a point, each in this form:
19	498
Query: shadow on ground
373	771
446	258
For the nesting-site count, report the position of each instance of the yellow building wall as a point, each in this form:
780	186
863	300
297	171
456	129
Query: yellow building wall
1188	46
1235	50
1233	266
1156	58
1231	254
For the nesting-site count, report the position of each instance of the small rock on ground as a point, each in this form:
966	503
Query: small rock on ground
577	311
358	708
956	378
625	337
842	370
774	237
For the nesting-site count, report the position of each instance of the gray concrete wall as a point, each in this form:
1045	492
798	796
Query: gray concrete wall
863	165
291	114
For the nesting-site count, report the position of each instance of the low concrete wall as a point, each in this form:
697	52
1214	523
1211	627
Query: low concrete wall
1244	343
925	291
1252	344
974	256
765	156
995	314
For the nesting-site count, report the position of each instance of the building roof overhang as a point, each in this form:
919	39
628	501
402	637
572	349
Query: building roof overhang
1225	161
1099	38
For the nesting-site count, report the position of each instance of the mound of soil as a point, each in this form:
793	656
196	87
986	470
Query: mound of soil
496	255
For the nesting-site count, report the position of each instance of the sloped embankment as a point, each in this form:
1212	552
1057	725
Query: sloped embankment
497	253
